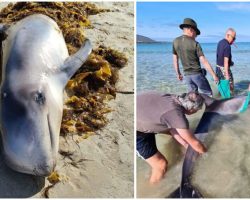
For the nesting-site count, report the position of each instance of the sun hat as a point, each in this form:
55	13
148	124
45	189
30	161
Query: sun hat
187	22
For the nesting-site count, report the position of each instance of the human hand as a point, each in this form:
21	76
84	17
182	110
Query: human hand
198	147
216	79
227	77
180	77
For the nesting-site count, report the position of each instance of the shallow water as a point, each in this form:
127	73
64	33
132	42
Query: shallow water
224	171
155	72
155	69
174	153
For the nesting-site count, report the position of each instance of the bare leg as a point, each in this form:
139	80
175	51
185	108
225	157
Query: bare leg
159	165
189	137
178	138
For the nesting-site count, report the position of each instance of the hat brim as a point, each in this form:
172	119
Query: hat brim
188	25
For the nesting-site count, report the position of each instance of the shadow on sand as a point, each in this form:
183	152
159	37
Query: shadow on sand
18	185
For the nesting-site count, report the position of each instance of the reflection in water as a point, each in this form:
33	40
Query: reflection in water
226	165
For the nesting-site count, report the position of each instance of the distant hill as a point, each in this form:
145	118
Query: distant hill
143	39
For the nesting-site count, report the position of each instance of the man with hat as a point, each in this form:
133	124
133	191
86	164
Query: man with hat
190	53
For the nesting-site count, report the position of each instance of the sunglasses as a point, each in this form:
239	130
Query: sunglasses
234	38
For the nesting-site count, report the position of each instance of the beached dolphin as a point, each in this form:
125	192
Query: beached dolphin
35	69
215	109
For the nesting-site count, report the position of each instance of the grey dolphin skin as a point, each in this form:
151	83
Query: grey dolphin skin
215	109
35	69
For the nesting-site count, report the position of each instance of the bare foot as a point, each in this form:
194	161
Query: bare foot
159	166
157	174
198	146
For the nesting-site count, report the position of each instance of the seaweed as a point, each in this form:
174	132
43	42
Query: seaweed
93	85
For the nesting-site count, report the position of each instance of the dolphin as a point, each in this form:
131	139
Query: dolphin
35	69
225	109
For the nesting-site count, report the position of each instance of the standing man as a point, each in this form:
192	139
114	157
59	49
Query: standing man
224	58
190	53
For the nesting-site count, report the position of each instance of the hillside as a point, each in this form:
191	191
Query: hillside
143	39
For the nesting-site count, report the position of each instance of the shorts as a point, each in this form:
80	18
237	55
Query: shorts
197	82
220	72
145	145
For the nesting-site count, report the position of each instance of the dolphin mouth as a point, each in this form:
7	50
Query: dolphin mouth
50	133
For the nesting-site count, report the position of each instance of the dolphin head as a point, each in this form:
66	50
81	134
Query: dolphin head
30	120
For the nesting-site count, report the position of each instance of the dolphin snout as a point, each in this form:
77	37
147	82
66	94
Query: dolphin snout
44	170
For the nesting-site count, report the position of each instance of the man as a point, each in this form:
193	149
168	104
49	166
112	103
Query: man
161	113
190	53
224	58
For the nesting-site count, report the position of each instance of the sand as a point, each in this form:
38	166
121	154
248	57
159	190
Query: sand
101	165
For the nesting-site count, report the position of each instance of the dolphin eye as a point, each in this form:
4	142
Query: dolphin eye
39	98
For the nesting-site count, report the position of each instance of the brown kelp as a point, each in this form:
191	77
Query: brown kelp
94	83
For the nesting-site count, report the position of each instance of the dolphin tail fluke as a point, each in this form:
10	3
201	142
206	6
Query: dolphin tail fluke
75	61
186	191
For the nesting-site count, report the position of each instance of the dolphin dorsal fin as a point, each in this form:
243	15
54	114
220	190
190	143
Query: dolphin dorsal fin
75	61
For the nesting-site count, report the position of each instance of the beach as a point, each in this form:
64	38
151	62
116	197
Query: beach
100	166
155	71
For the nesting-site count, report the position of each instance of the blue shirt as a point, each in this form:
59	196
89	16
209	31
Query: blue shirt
223	50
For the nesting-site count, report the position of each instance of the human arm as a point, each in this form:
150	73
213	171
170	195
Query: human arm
226	67
208	67
189	137
178	124
176	66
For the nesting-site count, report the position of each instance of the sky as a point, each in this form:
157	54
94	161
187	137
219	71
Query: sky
160	20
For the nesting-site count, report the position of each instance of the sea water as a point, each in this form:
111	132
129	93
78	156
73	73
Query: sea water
224	170
155	71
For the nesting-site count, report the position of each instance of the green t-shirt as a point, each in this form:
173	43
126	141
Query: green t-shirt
189	51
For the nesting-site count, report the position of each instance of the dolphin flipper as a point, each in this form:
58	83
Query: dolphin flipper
75	61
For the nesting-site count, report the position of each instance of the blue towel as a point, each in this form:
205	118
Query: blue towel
245	105
224	89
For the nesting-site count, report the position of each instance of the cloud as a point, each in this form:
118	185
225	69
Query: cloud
214	35
245	7
166	23
140	26
170	24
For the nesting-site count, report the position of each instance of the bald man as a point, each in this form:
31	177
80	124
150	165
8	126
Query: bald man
224	58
